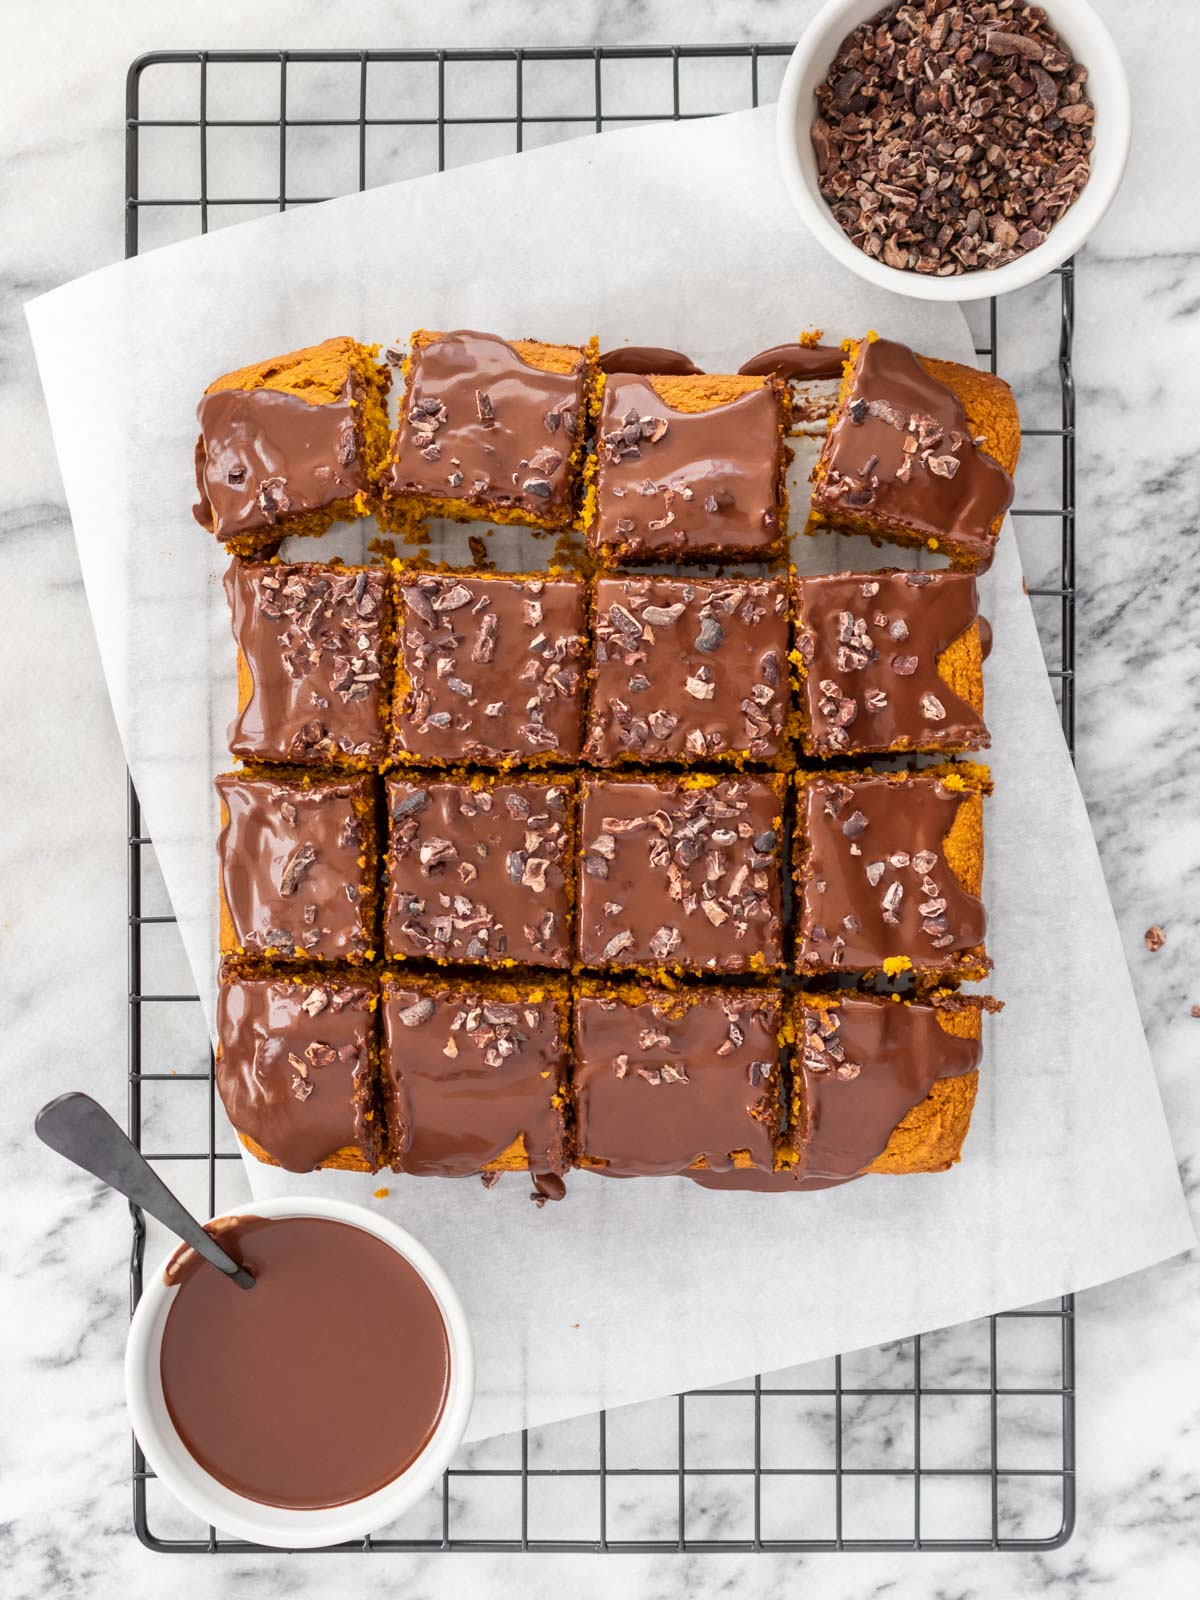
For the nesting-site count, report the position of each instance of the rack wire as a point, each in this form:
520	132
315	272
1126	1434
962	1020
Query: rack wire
959	1440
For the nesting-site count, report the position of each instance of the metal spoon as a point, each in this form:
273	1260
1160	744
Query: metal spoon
79	1128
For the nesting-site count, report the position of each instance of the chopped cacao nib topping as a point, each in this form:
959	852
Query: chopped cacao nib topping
950	140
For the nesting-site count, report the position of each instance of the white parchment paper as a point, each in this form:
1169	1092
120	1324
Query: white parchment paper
678	236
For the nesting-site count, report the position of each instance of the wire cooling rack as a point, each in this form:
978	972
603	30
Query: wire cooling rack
958	1440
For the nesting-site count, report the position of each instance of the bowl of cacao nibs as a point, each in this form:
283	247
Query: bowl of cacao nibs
953	149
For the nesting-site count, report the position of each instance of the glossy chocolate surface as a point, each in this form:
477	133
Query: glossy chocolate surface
794	363
291	869
480	423
864	1064
490	668
870	643
294	1067
675	874
648	359
874	881
687	668
478	872
311	642
674	483
676	1079
319	1385
467	1074
900	450
265	455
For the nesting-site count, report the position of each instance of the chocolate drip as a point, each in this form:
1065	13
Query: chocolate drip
693	481
647	360
673	1080
294	1068
875	882
481	424
870	642
264	455
322	1383
900	450
797	363
467	1075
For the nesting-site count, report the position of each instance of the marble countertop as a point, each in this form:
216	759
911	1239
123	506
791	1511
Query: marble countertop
64	1525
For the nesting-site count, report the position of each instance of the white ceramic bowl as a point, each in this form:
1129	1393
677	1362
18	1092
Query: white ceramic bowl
1088	40
233	1513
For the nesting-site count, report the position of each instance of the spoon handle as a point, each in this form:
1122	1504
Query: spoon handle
79	1128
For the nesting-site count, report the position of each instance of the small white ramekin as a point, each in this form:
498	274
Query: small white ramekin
278	1526
1088	40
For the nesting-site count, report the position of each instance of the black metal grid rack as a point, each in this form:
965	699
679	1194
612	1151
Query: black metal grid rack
804	1472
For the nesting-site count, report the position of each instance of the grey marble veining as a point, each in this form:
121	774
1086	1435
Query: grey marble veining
63	1434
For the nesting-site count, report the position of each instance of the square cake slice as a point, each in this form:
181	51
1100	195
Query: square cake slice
889	869
881	1084
298	866
296	1069
313	662
291	445
490	669
918	453
688	669
670	1080
475	1078
680	874
890	661
689	468
490	429
480	870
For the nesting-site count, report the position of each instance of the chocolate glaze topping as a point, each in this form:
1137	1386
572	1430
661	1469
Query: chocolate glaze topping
648	360
468	1074
264	455
319	1385
900	449
311	639
793	363
687	668
673	483
870	642
477	873
675	875
493	667
676	1079
865	1064
874	881
294	1067
290	866
480	424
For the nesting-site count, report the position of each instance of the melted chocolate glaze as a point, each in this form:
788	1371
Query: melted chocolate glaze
874	882
506	642
647	360
655	852
900	450
467	1074
870	642
654	637
694	482
477	872
795	363
294	1067
676	1079
311	639
319	1385
480	424
264	455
